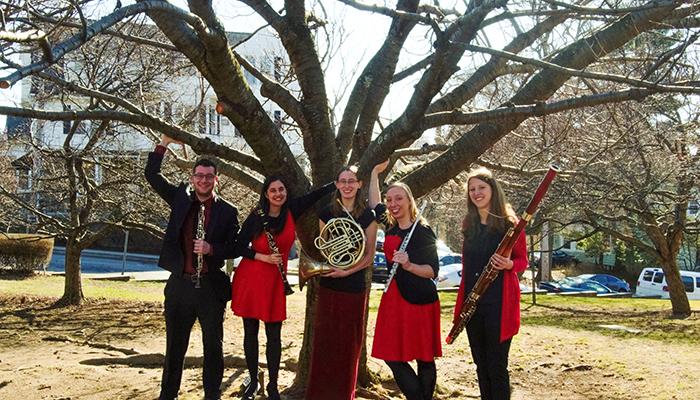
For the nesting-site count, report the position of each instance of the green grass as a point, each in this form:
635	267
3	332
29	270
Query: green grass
652	317
52	286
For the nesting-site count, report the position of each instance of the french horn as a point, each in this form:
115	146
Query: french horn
341	242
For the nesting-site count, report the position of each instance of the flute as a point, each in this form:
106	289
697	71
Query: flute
404	244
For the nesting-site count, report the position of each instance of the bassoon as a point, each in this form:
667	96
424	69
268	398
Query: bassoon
490	273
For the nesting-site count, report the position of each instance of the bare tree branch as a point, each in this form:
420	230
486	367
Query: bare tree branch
95	28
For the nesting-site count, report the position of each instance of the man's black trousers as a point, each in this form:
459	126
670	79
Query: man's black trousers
183	305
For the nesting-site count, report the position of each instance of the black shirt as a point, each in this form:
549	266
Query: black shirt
355	282
476	255
297	206
421	249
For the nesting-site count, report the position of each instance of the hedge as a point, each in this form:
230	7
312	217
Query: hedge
24	253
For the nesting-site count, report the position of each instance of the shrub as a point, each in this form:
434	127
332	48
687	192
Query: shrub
24	253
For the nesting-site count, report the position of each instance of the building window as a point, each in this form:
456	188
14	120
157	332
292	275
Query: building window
24	180
97	171
66	124
278	68
278	119
17	127
693	206
214	127
202	121
42	87
168	111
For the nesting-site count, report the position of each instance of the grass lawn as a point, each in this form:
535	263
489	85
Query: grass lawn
52	286
652	317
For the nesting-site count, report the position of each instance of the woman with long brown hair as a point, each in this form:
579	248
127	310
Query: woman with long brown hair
497	316
257	288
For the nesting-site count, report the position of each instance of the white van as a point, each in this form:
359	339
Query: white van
652	282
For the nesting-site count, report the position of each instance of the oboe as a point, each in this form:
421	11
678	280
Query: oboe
504	248
200	236
275	250
402	247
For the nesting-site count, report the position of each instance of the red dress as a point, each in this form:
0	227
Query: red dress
257	289
405	331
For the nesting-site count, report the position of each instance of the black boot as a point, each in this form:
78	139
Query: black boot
272	391
250	390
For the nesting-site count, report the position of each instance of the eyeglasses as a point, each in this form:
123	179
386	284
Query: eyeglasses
347	181
199	177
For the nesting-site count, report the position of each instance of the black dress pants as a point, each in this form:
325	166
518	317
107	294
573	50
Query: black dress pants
183	305
489	354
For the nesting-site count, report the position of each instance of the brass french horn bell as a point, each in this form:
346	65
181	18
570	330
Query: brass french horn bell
341	242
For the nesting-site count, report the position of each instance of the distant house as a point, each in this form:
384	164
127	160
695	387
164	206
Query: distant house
182	97
179	96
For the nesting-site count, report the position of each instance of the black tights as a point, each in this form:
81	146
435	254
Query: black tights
273	350
415	386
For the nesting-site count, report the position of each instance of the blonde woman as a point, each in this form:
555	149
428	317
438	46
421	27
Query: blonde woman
408	320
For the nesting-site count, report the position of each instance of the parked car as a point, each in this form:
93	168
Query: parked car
586	285
574	285
610	281
550	286
380	271
451	258
559	257
450	275
652	282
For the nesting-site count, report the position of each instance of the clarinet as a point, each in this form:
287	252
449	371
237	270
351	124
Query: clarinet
504	248
200	236
404	244
275	250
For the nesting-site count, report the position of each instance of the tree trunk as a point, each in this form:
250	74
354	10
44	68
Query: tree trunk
73	288
679	300
365	377
301	378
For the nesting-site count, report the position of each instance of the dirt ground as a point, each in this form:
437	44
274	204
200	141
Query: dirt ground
112	350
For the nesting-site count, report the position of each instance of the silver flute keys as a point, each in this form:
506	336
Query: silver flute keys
200	236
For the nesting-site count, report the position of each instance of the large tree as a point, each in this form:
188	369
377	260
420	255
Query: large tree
487	64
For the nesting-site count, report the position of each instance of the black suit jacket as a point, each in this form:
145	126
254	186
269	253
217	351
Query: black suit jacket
221	231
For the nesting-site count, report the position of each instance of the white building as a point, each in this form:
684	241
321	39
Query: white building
184	99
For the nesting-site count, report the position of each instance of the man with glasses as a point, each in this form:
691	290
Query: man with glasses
194	291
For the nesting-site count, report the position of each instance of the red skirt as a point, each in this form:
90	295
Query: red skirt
405	331
338	332
258	292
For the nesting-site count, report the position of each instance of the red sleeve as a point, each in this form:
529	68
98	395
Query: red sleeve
519	254
460	294
160	150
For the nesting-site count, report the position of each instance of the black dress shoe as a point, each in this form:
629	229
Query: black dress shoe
272	392
250	390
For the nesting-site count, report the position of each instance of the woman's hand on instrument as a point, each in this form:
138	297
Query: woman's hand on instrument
500	263
401	257
274	259
336	273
